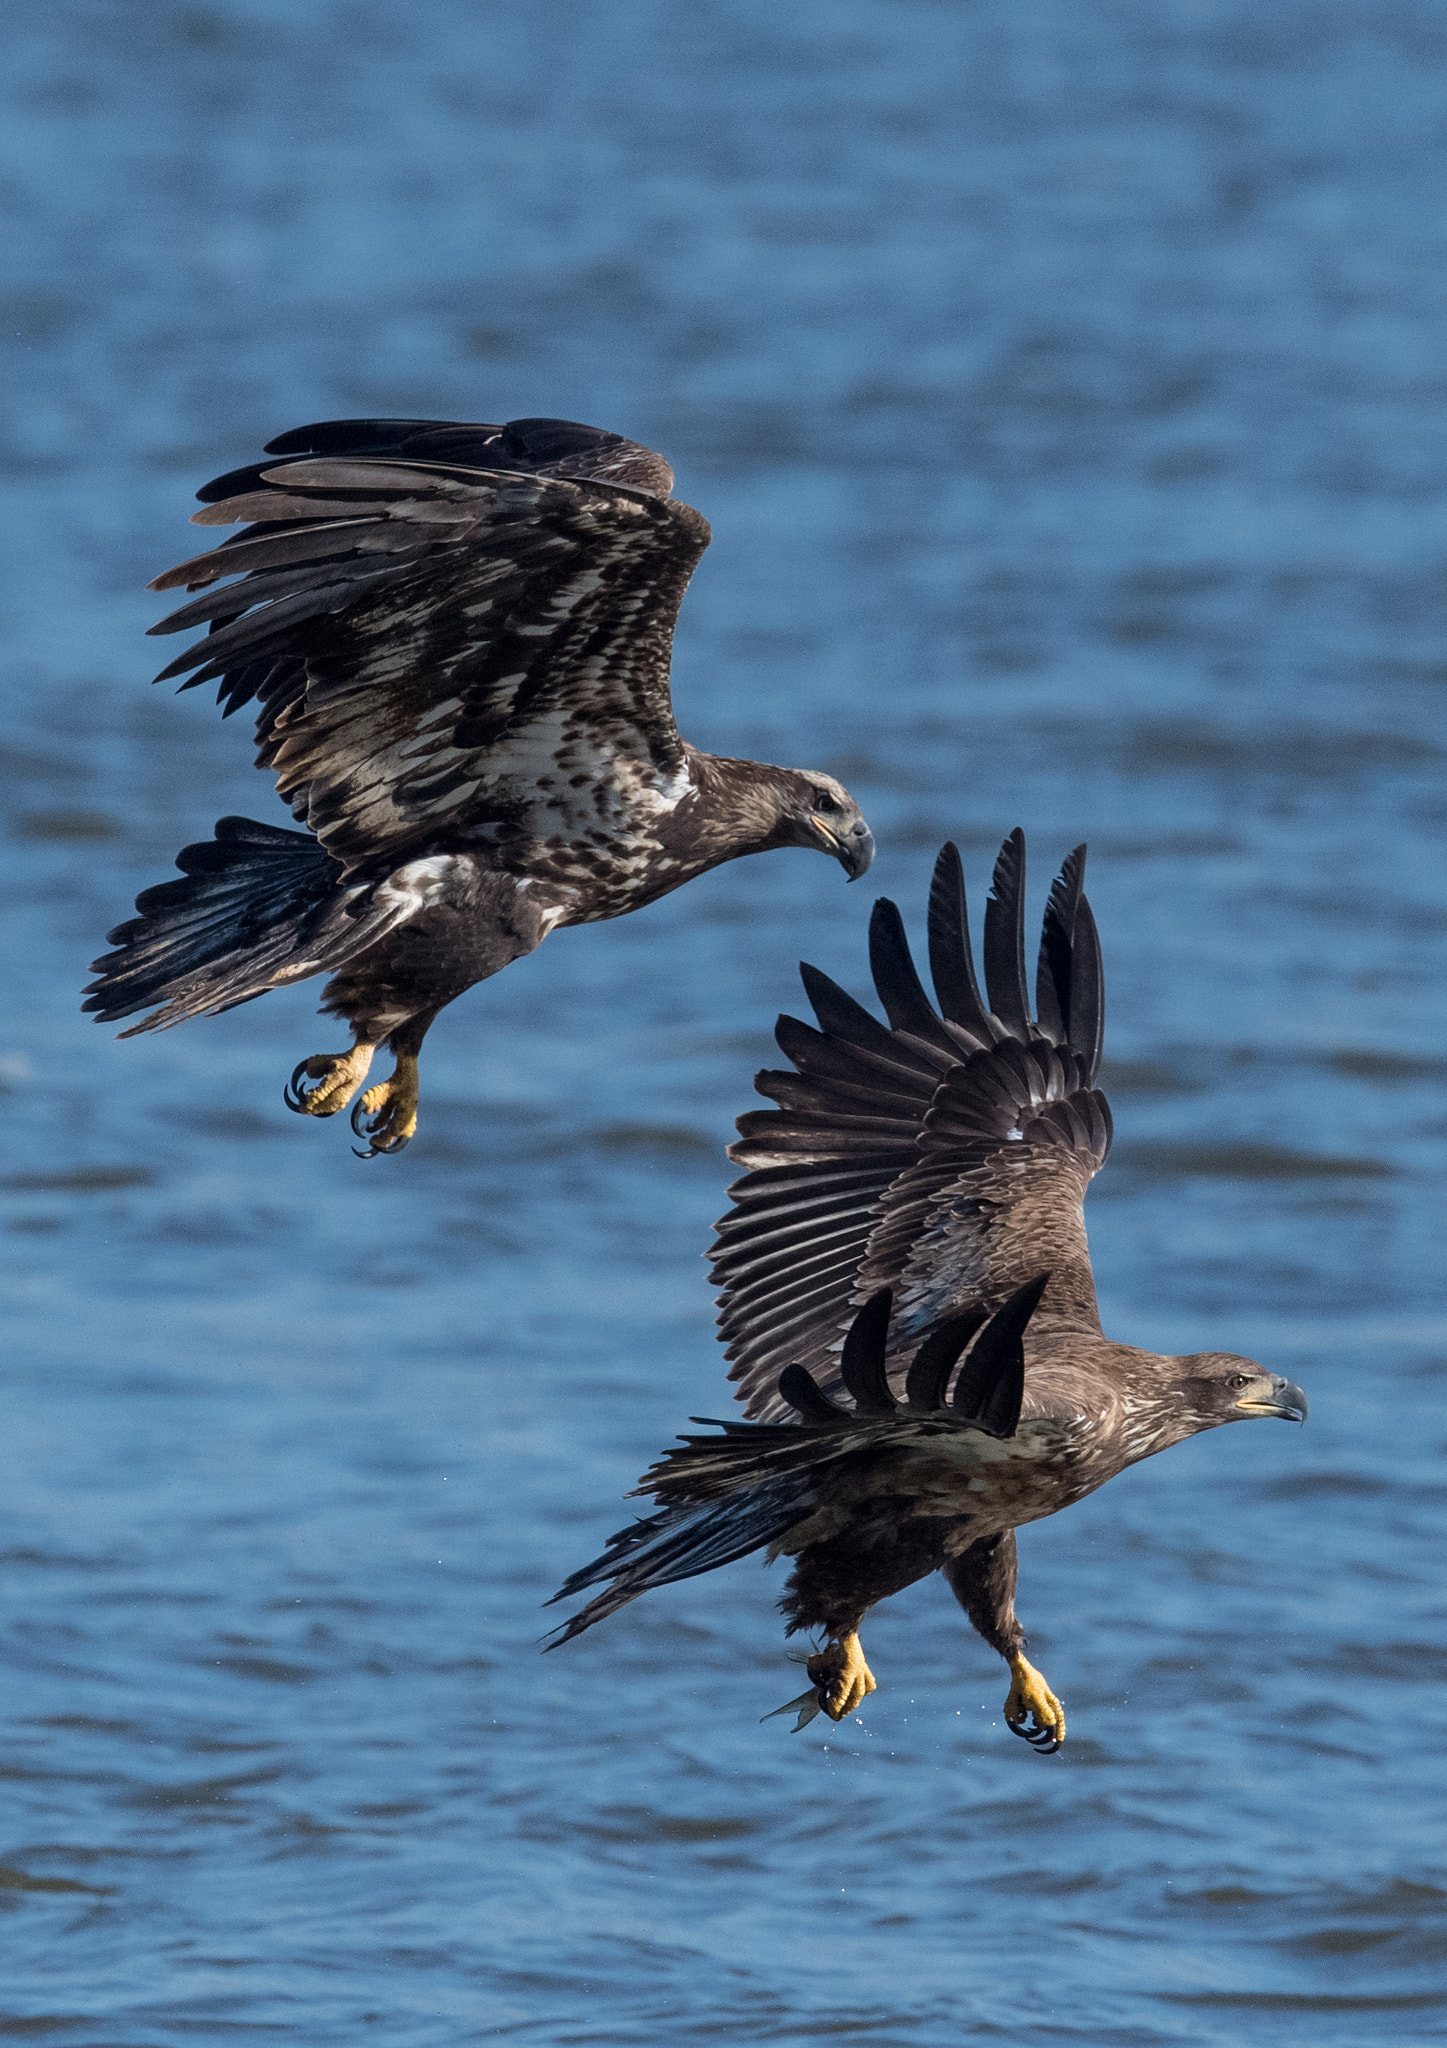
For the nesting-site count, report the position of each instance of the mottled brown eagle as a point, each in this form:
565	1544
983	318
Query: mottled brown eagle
457	638
908	1304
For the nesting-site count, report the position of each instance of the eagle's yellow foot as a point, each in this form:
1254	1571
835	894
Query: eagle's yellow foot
841	1677
386	1116
1031	1699
337	1075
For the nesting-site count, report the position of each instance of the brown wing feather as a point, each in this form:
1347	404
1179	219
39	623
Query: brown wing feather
945	1160
439	648
1012	1140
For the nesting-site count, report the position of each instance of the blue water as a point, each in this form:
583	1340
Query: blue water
1066	387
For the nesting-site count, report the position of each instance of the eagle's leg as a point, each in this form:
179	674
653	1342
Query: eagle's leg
337	1077
842	1679
386	1116
1030	1698
983	1577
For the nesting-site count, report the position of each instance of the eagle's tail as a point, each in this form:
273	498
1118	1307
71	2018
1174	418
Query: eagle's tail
245	916
680	1542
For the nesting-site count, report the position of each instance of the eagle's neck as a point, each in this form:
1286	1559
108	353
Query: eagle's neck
1133	1398
728	808
736	807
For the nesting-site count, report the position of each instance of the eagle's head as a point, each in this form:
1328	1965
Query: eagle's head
1217	1387
815	810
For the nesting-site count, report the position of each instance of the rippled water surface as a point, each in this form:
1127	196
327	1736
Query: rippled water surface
1066	388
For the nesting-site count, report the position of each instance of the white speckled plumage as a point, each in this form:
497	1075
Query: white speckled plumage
458	641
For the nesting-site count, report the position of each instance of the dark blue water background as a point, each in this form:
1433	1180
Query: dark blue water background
1067	386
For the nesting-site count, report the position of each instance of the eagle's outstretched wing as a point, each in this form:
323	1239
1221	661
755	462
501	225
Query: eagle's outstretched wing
944	1156
449	628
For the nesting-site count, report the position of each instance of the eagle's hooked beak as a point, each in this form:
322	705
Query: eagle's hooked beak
854	849
1284	1399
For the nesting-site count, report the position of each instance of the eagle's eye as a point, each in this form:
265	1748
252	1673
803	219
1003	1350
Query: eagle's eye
824	800
1239	1379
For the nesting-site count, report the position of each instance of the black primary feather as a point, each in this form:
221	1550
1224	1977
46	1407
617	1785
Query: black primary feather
932	1364
1087	992
544	446
952	967
991	1385
900	989
861	1362
1057	945
842	1017
950	953
802	1392
1005	939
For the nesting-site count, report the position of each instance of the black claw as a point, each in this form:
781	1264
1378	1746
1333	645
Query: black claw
377	1145
359	1130
1044	1741
294	1095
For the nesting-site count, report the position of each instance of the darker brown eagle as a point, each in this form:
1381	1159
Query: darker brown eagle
908	1304
458	639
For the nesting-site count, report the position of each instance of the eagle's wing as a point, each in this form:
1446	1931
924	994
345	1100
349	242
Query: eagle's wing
449	628
945	1156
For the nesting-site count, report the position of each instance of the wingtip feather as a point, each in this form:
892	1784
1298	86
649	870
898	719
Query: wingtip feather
952	966
862	1359
1005	982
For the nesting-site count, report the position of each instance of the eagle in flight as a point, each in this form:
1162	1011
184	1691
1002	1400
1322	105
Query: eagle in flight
457	638
908	1304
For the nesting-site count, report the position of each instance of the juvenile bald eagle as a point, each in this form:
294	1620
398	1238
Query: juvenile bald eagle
458	640
912	1206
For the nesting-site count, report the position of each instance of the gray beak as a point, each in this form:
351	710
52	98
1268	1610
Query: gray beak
1286	1400
854	849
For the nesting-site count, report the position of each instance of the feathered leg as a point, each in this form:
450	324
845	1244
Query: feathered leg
983	1578
835	1583
471	922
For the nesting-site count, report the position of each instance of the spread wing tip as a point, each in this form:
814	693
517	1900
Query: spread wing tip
1005	938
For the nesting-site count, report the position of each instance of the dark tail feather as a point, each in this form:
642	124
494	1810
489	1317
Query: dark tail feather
236	924
681	1542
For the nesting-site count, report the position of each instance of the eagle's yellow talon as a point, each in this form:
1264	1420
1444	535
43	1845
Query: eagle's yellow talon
338	1076
1030	1697
843	1678
386	1116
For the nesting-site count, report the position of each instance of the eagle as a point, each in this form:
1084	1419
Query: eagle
908	1306
457	637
